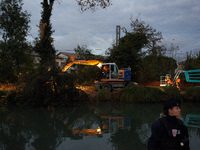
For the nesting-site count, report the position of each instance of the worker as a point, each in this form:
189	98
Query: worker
169	132
178	81
168	80
105	72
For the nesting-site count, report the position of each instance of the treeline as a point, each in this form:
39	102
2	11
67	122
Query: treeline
45	85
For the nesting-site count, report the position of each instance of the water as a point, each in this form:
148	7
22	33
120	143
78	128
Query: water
123	127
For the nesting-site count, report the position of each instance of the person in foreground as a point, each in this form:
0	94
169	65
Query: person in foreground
169	132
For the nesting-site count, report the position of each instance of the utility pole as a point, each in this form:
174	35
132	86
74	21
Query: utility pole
117	34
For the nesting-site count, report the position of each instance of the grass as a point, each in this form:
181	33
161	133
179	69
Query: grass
141	94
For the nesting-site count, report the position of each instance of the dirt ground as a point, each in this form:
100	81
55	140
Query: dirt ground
156	84
91	91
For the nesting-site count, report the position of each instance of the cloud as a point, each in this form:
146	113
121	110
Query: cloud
176	19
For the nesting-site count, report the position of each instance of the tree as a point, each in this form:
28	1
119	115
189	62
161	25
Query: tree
49	86
153	37
93	4
44	46
152	67
83	53
133	46
14	27
129	51
87	74
173	51
192	61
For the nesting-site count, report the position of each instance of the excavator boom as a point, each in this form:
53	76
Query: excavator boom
82	62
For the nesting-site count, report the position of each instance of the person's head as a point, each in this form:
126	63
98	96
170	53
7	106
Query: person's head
171	107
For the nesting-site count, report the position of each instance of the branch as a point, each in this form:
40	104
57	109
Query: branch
93	4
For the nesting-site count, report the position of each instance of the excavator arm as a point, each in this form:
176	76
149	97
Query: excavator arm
82	62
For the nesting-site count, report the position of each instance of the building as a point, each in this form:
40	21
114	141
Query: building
61	58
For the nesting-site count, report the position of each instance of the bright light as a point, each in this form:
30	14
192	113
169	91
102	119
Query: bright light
99	65
99	130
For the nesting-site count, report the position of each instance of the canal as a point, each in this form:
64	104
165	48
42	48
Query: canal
107	126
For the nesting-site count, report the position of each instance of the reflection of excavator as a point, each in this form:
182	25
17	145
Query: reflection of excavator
192	120
108	124
112	77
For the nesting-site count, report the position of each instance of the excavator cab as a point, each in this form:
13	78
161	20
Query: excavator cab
109	71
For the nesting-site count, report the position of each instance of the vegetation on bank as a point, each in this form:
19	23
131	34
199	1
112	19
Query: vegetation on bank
142	94
134	94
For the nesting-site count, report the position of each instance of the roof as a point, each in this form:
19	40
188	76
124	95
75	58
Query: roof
67	54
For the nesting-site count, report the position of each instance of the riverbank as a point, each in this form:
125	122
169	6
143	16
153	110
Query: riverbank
144	93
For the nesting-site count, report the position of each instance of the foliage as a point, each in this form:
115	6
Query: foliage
142	94
83	53
152	67
151	35
172	92
192	94
88	74
93	4
15	53
41	88
128	52
104	95
44	47
172	51
192	61
3	94
51	89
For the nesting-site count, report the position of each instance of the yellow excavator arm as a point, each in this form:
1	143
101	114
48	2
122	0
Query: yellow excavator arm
82	62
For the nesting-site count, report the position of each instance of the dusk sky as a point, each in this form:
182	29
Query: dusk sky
176	19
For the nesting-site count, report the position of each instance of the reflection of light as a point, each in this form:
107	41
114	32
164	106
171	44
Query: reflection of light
99	130
87	131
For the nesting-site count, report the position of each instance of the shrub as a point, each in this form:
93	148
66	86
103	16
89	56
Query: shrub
12	97
142	94
49	89
192	94
104	95
2	94
172	92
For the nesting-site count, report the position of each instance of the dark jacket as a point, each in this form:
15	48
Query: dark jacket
168	133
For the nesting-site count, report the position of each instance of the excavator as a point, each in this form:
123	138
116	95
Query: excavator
112	77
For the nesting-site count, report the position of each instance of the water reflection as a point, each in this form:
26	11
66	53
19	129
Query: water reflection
100	127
